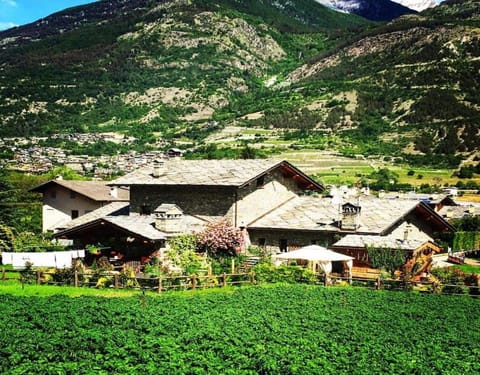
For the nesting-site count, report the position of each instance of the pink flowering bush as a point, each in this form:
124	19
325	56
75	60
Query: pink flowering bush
220	238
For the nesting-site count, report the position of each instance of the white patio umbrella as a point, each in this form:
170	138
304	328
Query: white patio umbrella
320	255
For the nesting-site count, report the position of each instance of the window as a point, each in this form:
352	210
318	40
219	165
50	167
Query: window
283	245
260	181
73	195
53	194
74	214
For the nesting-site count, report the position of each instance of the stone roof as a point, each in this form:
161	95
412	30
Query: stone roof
207	172
116	213
361	241
143	226
457	212
111	209
323	214
96	190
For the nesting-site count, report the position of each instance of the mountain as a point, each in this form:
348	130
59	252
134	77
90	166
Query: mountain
180	72
417	5
375	10
153	66
415	81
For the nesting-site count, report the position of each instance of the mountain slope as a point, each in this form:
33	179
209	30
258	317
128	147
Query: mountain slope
419	72
144	66
180	71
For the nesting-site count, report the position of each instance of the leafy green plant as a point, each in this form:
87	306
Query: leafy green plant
28	274
270	273
7	239
182	253
263	329
389	259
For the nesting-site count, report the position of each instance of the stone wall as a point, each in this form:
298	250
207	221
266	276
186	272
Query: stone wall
273	239
193	200
240	206
413	228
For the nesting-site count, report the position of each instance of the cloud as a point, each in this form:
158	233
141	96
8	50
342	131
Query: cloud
7	25
11	3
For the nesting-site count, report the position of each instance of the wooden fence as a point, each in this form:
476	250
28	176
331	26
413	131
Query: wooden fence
118	281
159	284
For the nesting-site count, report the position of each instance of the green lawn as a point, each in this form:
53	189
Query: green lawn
469	268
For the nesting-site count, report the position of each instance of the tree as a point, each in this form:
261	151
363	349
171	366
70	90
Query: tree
384	179
389	259
6	238
32	242
220	239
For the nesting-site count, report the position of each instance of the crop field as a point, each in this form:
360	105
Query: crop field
294	329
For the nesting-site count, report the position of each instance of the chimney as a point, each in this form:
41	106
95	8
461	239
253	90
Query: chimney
158	168
169	218
114	191
350	216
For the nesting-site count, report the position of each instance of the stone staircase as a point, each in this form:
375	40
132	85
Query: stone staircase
248	264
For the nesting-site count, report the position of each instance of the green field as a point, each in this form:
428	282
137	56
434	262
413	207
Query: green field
282	329
334	169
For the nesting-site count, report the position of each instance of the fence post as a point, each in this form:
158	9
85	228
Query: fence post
194	281
252	277
39	275
378	286
75	278
4	274
159	285
325	280
224	283
116	281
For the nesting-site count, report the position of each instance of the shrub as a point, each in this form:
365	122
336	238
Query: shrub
221	239
269	273
28	275
64	275
452	278
182	254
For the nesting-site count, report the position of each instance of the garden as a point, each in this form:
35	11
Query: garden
279	329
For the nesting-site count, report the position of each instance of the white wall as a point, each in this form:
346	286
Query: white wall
58	210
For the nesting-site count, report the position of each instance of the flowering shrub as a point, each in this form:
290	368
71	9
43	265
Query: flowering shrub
220	238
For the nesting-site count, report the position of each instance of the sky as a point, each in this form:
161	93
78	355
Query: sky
20	12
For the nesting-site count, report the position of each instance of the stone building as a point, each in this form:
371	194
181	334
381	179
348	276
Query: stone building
325	221
179	196
280	207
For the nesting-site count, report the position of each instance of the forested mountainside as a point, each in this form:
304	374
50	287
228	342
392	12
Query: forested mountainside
184	69
153	65
416	81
